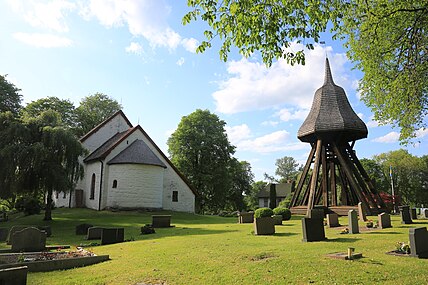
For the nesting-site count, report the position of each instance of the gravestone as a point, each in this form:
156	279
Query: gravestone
161	221
28	240
14	276
46	229
316	213
94	233
313	229
384	220
333	220
245	217
413	214
424	213
82	229
418	242
405	215
15	229
353	222
361	213
112	235
4	232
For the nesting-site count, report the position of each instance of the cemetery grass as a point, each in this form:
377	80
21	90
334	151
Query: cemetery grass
216	250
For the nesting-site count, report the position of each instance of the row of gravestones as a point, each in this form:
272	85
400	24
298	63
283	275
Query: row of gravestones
25	238
107	235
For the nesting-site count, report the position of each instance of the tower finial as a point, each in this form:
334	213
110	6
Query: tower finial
328	77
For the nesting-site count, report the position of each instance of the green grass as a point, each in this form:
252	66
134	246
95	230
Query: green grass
216	250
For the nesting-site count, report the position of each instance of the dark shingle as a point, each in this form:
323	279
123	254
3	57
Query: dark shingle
103	150
137	152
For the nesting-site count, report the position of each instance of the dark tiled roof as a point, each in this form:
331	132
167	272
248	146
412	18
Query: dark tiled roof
282	190
331	116
104	149
137	153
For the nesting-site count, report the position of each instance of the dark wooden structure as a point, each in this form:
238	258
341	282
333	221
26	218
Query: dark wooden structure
337	180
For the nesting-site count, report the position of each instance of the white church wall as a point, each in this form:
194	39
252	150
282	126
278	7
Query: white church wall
92	168
138	186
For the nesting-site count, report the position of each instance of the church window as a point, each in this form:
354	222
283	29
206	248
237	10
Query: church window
92	187
174	196
114	183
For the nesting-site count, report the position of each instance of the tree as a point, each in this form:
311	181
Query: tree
380	179
200	149
241	179
251	199
387	40
65	108
287	168
93	110
10	99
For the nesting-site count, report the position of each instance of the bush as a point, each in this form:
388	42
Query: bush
263	212
285	203
28	205
284	212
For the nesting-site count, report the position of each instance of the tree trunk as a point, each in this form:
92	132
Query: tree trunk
48	210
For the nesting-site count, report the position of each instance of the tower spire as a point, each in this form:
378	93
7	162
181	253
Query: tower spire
328	79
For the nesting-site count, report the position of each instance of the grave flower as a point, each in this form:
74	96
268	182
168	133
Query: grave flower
369	224
344	231
402	247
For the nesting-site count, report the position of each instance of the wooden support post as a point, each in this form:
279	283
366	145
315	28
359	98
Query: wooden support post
333	188
314	180
324	176
302	179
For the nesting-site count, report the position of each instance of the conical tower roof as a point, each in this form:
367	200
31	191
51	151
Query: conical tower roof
331	117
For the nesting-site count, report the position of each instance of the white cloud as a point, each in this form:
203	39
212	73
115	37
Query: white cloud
238	133
291	114
146	18
361	115
372	123
134	48
180	61
253	86
43	40
421	133
50	15
391	137
270	123
273	142
190	44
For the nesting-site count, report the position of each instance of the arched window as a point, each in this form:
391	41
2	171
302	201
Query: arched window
114	183
92	187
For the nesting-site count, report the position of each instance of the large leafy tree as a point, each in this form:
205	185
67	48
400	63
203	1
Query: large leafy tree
386	39
200	149
10	98
287	168
93	110
241	180
63	107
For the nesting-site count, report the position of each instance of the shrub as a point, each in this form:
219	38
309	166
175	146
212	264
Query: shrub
285	203
284	212
28	205
263	212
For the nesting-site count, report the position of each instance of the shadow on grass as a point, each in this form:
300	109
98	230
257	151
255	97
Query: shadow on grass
382	233
368	261
342	239
284	234
181	231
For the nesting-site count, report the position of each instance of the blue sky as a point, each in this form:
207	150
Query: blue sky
140	54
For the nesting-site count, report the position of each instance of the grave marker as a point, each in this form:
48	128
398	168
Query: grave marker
405	215
82	229
424	213
384	220
418	242
316	213
413	214
313	229
161	221
29	239
353	222
245	217
4	232
112	235
361	213
94	233
333	220
13	230
14	276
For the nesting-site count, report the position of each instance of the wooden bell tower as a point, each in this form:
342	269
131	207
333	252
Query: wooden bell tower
337	179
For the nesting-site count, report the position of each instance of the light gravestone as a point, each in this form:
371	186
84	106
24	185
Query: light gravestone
413	214
94	233
333	220
384	220
418	242
353	222
361	213
405	215
28	240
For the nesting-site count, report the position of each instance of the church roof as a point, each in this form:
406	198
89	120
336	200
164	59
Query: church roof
331	116
137	152
282	190
105	148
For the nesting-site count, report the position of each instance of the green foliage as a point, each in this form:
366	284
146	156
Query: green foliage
251	199
263	212
241	179
200	149
10	98
287	168
284	212
386	40
286	202
93	110
29	205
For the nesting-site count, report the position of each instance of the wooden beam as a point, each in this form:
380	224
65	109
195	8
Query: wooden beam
314	180
302	179
333	189
324	176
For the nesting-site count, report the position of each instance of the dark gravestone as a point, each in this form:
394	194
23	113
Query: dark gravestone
112	235
94	233
4	232
424	213
418	242
46	229
14	276
405	215
264	226
161	221
313	229
353	222
413	214
28	240
15	229
245	217
316	213
384	220
82	229
333	220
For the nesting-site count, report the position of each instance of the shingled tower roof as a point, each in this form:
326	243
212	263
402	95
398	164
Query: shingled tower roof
331	117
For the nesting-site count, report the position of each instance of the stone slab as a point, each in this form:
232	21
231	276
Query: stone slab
316	213
28	240
384	220
344	255
245	217
418	242
161	221
333	220
94	233
353	222
82	229
4	232
112	235
14	275
361	213
405	215
413	214
313	230
264	226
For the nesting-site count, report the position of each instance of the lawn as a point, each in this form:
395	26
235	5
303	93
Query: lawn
217	250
